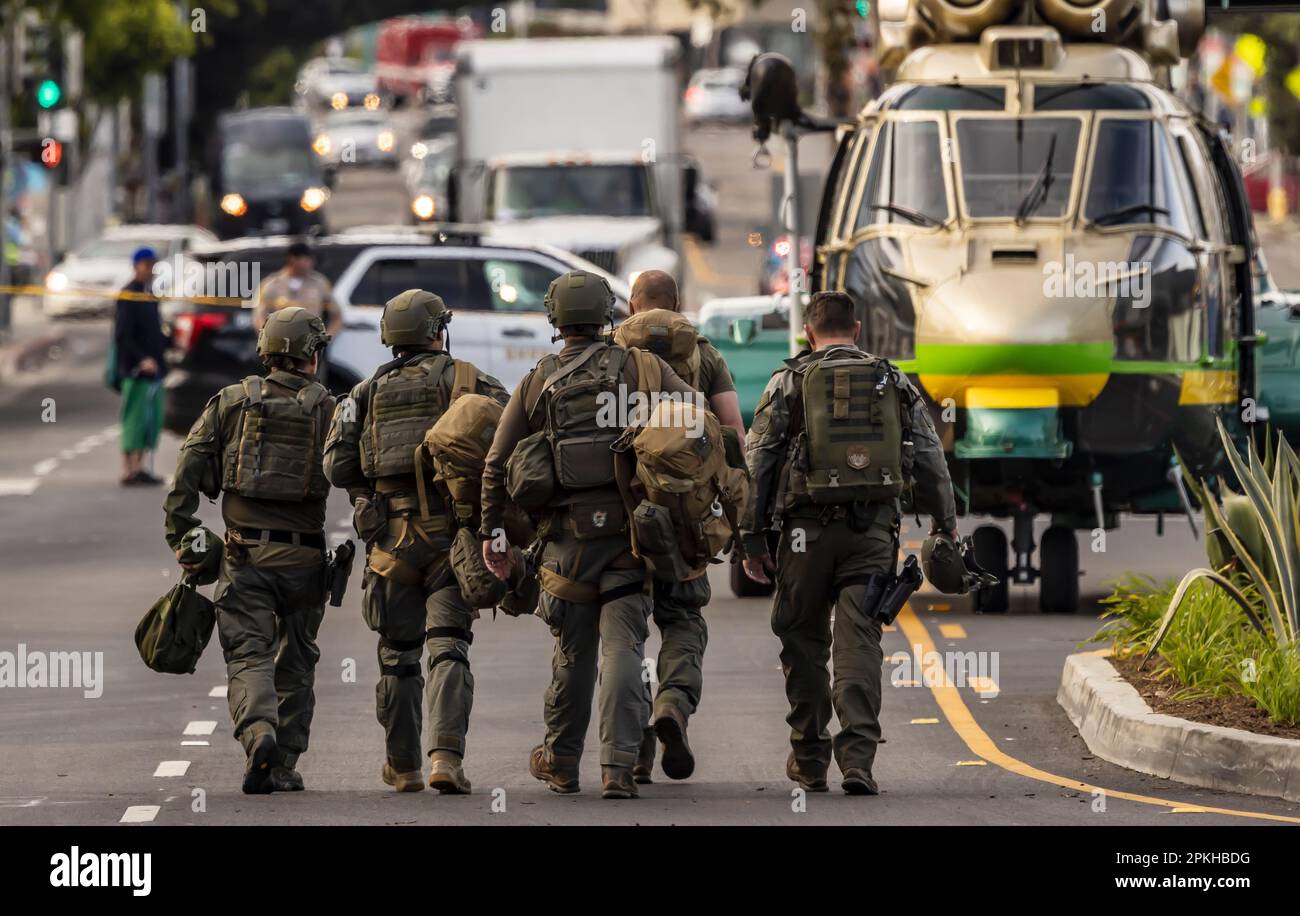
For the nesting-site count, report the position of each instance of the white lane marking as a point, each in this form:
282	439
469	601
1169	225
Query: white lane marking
67	455
140	814
41	468
195	744
219	691
18	486
172	768
200	727
21	801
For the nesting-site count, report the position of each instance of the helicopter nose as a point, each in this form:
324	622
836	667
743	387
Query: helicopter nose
997	344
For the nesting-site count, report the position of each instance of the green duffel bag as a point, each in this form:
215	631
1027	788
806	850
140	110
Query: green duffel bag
173	634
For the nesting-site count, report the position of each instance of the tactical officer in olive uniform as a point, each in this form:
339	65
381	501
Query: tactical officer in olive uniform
259	444
836	436
411	597
594	590
679	605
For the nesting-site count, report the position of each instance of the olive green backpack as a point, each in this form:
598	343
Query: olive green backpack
855	444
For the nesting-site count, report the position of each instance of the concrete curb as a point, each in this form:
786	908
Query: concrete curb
1118	726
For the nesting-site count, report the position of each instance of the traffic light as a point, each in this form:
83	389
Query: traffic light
863	7
48	94
51	153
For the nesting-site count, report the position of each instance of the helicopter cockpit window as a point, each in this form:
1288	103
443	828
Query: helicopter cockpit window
905	184
1134	178
1017	167
1089	97
953	98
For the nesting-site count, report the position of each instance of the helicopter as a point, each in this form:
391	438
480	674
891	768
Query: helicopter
1054	248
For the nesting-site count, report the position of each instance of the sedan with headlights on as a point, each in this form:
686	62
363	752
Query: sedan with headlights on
356	136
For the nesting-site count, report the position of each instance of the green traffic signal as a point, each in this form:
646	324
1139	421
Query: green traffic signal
48	94
864	7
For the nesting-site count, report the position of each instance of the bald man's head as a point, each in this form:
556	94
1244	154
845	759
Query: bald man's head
654	289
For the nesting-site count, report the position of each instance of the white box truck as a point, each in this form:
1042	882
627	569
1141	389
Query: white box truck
575	143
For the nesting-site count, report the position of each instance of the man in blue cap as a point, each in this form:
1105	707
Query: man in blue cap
141	350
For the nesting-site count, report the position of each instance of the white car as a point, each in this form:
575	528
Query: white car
714	95
356	136
86	282
495	291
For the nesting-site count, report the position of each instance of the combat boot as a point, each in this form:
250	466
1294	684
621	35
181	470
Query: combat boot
257	770
402	780
858	782
670	726
560	774
286	779
645	759
446	773
809	782
617	782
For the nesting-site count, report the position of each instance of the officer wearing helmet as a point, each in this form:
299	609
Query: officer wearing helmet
258	445
551	456
411	599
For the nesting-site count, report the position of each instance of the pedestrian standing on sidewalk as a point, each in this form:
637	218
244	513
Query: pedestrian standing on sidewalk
141	358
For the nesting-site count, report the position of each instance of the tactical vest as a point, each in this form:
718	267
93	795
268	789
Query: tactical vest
276	452
402	404
668	335
852	428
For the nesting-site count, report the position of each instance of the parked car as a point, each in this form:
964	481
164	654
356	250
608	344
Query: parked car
753	335
85	283
266	180
496	291
714	96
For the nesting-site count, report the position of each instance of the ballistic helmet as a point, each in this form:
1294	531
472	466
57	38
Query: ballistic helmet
579	297
943	564
413	318
293	332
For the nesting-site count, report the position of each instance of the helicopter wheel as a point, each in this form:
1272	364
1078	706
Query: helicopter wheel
990	543
744	587
1058	588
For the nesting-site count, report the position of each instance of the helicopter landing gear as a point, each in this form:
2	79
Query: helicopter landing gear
990	544
1058	592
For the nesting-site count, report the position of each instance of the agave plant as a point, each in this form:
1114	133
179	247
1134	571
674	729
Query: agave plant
1252	539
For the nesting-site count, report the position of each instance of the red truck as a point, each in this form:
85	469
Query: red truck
414	56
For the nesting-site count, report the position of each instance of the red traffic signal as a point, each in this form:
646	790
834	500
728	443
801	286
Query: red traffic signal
51	153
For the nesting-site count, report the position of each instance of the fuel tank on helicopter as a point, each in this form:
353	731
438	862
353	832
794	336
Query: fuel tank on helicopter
1058	251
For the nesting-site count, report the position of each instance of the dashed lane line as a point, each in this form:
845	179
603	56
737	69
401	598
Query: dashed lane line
140	814
200	727
959	716
170	768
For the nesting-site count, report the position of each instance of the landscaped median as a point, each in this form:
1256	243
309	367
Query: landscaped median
1201	680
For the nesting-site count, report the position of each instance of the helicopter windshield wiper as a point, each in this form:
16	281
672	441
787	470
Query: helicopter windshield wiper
915	216
1038	191
1122	212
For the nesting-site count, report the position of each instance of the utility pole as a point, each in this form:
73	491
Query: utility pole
182	71
6	154
152	118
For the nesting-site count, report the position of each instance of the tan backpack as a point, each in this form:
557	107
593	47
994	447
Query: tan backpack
684	499
668	335
455	450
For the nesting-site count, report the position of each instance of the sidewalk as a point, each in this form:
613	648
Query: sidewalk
30	341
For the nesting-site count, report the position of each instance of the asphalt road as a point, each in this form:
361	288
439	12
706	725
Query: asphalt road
84	558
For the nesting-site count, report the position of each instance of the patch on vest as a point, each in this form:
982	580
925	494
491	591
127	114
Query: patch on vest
858	457
599	517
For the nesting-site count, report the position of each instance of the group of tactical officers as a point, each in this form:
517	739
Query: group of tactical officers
838	438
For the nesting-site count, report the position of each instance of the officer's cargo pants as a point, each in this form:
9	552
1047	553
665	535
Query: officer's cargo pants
267	621
598	639
811	584
411	617
679	615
